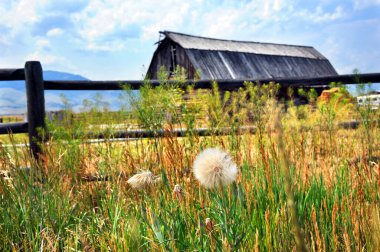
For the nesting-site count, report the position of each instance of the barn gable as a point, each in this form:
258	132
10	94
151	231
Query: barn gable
227	59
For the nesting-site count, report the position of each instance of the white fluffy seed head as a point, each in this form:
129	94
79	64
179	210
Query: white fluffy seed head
143	180
177	189
177	192
214	167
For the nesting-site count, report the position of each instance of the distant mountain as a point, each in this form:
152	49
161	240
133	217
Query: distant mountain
54	75
13	97
48	75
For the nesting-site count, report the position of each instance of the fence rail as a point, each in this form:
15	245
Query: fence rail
320	82
12	74
36	85
20	127
138	133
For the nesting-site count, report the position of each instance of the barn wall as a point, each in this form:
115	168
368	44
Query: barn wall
162	57
184	61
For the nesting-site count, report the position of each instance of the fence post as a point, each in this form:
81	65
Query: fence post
36	106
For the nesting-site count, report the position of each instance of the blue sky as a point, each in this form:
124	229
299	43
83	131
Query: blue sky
114	39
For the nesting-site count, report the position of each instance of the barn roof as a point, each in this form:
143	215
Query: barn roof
202	43
229	59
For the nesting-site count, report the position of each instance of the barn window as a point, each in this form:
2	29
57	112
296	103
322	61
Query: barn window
173	59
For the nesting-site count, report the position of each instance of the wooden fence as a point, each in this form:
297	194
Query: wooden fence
36	85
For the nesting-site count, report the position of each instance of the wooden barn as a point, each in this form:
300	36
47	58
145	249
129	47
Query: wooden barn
216	59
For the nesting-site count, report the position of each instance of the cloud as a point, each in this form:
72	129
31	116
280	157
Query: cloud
107	26
53	101
319	15
12	101
11	96
103	24
66	6
104	46
364	4
43	52
19	15
54	32
50	22
47	59
42	43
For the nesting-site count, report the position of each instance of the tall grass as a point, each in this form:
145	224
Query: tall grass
335	192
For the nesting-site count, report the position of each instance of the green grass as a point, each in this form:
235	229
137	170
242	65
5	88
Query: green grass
334	180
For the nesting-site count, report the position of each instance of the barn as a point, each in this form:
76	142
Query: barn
217	59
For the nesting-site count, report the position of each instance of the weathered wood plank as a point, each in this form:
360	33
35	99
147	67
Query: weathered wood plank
20	127
12	74
162	133
92	85
36	105
142	133
320	82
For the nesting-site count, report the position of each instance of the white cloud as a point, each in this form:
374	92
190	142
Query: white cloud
109	46
55	32
53	101
20	14
118	20
49	60
278	5
318	15
42	43
363	4
11	96
12	101
237	20
222	25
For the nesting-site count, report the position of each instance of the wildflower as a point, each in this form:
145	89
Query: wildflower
214	167
143	180
177	192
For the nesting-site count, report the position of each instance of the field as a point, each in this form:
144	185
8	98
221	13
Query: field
303	181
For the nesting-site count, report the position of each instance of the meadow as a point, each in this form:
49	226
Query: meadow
303	182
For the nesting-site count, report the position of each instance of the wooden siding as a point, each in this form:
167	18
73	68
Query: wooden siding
236	65
162	57
184	61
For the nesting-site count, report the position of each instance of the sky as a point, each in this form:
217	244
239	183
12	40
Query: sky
115	39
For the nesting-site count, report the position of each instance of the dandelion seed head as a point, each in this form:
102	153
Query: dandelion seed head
177	189
177	192
143	180
214	167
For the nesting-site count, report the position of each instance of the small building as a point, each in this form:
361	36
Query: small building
371	99
217	59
